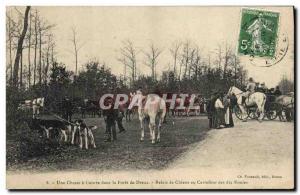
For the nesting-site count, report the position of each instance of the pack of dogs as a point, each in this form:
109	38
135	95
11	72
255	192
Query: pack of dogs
76	132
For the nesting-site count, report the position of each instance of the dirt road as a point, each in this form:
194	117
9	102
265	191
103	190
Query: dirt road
261	154
249	144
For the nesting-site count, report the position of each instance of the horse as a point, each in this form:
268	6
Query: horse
287	104
37	104
257	99
154	107
90	107
133	109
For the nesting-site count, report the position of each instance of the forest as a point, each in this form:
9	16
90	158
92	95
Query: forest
34	69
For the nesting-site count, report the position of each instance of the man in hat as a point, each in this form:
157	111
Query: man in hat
250	89
277	91
67	108
264	88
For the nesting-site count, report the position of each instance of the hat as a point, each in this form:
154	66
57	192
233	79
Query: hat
251	79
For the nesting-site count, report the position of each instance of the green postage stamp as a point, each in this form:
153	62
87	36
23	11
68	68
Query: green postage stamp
258	33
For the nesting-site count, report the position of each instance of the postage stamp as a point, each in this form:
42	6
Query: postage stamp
258	33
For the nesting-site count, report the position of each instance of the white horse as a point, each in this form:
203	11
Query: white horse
154	108
37	104
255	99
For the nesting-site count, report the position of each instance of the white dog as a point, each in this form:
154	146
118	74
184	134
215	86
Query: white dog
85	133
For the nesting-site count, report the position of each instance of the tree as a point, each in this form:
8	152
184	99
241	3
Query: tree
20	48
43	31
59	81
185	57
175	52
36	20
10	35
128	58
47	50
227	56
286	85
151	59
29	49
195	63
76	46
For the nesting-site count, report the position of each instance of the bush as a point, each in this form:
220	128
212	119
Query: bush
23	143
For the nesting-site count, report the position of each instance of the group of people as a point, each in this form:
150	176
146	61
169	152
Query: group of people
261	87
219	110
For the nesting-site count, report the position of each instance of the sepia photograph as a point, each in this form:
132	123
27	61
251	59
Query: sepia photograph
150	97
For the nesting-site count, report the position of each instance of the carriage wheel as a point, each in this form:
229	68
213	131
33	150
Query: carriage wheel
252	113
238	113
271	113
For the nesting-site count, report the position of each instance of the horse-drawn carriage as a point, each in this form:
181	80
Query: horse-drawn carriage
274	106
271	109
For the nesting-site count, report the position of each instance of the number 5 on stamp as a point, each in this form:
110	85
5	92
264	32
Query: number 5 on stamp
258	33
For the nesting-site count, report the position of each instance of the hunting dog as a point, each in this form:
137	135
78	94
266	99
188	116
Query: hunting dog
51	127
84	133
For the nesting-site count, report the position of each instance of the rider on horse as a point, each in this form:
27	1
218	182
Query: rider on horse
250	89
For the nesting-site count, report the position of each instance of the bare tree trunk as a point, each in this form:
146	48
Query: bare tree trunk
186	57
52	55
10	59
128	58
35	47
29	48
47	60
47	67
227	55
21	69
174	52
19	48
180	68
77	47
151	59
76	62
40	54
10	50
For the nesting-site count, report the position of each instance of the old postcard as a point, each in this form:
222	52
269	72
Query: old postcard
150	97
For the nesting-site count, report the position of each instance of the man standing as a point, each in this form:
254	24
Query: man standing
211	111
110	116
120	116
67	109
219	111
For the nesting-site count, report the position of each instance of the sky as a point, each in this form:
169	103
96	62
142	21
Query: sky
101	31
